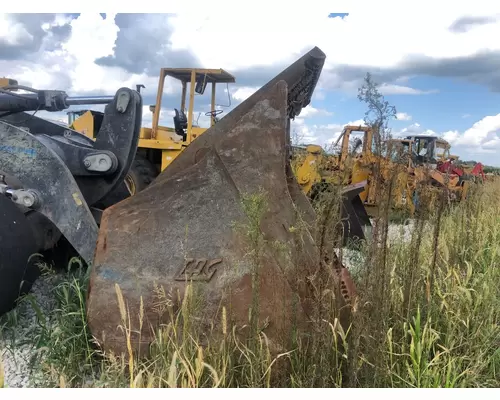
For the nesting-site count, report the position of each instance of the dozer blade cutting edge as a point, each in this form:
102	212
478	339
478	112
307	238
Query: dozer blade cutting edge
191	225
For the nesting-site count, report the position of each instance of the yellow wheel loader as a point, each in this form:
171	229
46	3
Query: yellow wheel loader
433	164
160	145
191	226
353	164
315	167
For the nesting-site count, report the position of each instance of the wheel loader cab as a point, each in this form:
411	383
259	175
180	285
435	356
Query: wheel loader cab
442	150
429	149
358	147
183	117
168	142
161	144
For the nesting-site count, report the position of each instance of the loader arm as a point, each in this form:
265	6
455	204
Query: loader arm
51	171
307	173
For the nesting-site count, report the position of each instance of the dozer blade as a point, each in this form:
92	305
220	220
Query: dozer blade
195	224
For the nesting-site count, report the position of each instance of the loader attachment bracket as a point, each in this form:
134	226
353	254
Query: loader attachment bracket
99	166
80	159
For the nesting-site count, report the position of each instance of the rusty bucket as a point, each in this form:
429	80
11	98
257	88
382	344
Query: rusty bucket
227	218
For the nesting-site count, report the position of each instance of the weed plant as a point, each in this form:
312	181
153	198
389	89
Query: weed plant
427	315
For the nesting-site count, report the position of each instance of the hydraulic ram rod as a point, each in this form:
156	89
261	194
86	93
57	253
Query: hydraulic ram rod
49	100
87	100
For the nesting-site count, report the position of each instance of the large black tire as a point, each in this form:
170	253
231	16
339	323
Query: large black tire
17	246
141	174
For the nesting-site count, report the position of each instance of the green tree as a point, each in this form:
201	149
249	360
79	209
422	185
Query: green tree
379	112
377	116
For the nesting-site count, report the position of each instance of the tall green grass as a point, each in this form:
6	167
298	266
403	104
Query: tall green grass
427	316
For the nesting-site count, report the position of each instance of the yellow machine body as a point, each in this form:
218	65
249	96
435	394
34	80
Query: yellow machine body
5	83
350	166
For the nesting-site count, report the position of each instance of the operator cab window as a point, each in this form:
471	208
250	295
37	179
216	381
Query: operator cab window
356	143
441	151
424	151
397	152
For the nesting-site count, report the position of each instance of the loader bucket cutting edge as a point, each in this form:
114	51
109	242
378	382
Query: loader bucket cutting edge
191	226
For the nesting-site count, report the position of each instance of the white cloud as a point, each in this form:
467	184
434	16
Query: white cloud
243	93
303	134
244	46
388	89
13	33
413	129
450	136
269	44
91	37
310	111
435	40
484	134
319	94
403	116
323	135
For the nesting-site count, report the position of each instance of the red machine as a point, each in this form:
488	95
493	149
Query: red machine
450	167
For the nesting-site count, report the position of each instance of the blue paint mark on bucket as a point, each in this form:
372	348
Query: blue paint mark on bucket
111	275
338	15
30	152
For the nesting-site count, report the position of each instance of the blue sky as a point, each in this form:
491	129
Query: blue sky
454	106
442	76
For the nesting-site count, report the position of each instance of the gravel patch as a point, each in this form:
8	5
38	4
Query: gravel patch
16	337
355	260
400	232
